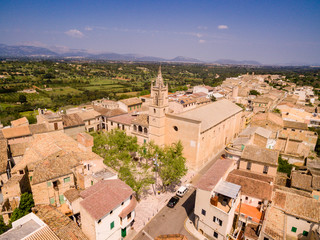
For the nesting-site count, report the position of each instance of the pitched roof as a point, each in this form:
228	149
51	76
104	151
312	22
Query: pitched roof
72	194
141	119
123	119
217	171
301	180
59	223
71	120
212	114
264	117
18	122
88	114
45	144
56	165
104	196
3	155
253	185
38	128
199	94
261	155
297	205
295	125
128	209
109	112
14	132
131	101
18	149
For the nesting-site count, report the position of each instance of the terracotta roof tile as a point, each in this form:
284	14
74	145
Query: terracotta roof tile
253	185
3	155
301	180
104	196
71	120
16	132
261	155
72	194
123	119
132	205
38	128
131	101
60	224
141	119
18	122
56	165
217	171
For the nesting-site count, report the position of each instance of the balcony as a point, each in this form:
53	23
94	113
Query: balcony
225	195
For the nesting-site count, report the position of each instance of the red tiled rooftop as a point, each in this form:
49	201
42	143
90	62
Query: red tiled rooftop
104	196
250	211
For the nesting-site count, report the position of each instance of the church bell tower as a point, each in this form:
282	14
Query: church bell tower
157	110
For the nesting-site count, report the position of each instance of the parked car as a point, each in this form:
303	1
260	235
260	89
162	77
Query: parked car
182	191
173	201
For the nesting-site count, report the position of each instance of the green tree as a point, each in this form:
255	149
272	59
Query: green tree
276	110
3	226
22	98
284	166
172	165
25	205
254	92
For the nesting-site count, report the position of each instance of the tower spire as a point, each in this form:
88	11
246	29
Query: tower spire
159	80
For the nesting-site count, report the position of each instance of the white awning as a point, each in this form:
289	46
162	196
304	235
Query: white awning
227	189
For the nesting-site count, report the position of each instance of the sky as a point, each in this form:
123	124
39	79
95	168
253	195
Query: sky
271	32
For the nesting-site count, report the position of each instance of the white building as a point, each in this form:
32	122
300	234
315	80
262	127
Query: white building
107	210
216	201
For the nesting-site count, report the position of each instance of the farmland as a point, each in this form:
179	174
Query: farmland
59	83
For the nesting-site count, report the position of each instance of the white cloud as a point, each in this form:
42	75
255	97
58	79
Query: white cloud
202	41
88	28
223	27
74	33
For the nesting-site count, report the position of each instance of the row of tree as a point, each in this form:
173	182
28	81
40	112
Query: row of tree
138	165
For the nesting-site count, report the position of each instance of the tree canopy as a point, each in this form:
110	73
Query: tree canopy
25	205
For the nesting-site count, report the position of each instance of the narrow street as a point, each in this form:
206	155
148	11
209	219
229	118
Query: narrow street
171	220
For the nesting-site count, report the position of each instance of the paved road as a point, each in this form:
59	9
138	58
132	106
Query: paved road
171	220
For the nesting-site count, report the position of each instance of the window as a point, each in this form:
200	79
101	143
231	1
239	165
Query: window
144	141
112	225
129	216
48	184
30	178
52	200
265	169
215	234
175	128
91	182
99	221
293	229
217	221
61	199
21	172
154	110
111	123
66	180
111	212
247	198
203	212
305	233
249	166
265	238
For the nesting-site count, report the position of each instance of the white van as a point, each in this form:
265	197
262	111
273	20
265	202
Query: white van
181	191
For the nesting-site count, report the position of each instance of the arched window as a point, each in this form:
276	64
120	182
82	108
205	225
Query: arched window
134	128
145	130
140	129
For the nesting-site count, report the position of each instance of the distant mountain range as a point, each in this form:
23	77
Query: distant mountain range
7	51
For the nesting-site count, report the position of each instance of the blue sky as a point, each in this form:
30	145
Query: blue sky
267	31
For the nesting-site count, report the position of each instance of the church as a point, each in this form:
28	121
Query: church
203	131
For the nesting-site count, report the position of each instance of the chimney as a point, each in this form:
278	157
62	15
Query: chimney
85	142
